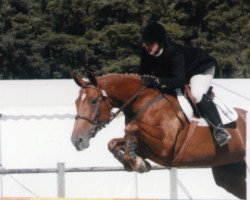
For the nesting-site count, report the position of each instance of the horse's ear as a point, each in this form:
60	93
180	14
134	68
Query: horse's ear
91	78
78	80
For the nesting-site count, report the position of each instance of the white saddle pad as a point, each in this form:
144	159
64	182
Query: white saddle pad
227	114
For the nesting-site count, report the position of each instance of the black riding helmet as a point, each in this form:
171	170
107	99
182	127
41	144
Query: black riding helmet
154	32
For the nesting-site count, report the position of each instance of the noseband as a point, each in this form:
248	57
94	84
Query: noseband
95	121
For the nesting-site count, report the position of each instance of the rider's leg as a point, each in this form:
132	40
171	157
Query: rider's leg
199	87
209	111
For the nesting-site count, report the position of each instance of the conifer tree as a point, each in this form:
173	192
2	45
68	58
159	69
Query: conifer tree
50	38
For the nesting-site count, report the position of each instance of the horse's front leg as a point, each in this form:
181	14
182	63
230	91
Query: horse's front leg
117	148
131	157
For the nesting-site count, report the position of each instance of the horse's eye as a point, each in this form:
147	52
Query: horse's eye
93	101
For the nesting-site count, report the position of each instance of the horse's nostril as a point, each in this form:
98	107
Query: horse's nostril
80	140
81	143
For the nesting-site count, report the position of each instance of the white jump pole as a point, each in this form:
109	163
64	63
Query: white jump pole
61	180
173	184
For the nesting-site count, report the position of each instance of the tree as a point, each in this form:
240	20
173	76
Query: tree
50	38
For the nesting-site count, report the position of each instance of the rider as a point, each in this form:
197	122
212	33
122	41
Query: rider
170	66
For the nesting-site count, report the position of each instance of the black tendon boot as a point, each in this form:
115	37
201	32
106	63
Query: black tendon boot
209	111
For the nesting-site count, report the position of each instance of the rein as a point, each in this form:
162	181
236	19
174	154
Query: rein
127	104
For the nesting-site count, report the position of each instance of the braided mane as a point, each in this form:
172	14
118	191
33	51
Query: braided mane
115	75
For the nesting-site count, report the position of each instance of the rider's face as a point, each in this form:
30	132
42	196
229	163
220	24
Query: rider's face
151	47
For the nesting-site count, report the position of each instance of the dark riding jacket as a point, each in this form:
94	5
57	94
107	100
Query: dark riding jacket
176	65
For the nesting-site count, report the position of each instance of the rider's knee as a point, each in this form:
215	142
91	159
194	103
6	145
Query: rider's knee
199	85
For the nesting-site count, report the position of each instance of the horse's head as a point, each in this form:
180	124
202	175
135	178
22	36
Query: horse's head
93	110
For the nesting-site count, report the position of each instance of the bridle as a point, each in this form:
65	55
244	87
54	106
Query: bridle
95	122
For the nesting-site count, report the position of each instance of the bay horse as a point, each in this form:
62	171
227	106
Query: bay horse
156	129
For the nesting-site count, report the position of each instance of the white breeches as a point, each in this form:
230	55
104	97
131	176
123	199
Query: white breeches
200	83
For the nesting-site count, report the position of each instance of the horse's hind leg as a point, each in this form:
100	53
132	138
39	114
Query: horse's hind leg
232	177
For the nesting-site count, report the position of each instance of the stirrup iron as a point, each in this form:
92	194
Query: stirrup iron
219	130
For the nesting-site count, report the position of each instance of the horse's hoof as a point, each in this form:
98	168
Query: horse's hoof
148	166
142	166
127	167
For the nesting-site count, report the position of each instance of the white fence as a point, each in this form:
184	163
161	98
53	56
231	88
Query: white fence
61	170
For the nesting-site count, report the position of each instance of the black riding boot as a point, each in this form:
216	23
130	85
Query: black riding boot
209	111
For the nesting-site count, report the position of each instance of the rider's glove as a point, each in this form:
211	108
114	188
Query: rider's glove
150	81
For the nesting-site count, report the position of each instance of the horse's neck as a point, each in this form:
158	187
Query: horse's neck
120	88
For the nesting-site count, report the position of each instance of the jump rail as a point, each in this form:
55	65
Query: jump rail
72	169
61	170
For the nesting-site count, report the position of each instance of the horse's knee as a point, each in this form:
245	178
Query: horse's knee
112	144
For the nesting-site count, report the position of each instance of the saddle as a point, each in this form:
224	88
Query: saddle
228	115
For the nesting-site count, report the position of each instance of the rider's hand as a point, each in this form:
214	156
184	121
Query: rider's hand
150	81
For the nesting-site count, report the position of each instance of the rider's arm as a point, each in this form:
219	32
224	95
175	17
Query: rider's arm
179	72
144	64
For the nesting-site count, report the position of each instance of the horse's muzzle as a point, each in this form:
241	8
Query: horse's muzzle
80	143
